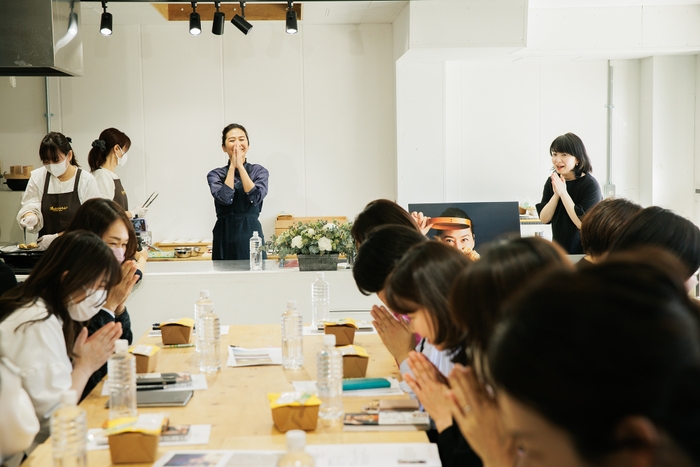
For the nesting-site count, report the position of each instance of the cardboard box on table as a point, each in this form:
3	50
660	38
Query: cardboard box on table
135	440
344	331
146	358
177	331
294	411
355	360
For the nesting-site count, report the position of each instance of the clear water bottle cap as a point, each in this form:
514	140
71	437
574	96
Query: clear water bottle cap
69	397
122	345
292	304
296	440
320	275
329	340
203	294
255	233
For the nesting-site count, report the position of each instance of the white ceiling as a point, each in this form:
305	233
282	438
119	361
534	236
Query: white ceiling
605	3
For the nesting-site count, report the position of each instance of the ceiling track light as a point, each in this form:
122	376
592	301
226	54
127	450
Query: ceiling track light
291	19
217	26
105	21
195	21
240	22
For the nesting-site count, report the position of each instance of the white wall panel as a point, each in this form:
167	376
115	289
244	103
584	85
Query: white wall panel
22	123
349	111
626	129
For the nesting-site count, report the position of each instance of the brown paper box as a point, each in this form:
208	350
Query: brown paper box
175	334
145	364
354	366
303	417
344	335
133	448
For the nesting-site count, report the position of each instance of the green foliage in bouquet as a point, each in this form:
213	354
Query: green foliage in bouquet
313	238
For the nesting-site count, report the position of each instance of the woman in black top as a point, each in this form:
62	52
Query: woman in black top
569	192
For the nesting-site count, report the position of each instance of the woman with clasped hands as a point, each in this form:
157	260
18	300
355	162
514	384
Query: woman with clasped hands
42	321
238	189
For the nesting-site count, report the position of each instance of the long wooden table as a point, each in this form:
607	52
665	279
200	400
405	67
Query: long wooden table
236	404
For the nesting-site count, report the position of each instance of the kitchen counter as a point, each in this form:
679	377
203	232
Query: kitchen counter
170	288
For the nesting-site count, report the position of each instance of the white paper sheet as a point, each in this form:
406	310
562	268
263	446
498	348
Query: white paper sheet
365	328
393	390
239	356
325	455
199	383
198	434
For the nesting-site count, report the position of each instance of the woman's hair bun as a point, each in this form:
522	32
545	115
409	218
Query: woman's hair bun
69	139
99	144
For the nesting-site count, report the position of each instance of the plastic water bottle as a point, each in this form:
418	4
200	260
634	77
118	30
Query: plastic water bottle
201	306
210	343
329	375
121	369
255	253
292	338
296	456
69	432
320	301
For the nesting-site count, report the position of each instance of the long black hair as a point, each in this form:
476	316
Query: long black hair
74	261
572	144
605	352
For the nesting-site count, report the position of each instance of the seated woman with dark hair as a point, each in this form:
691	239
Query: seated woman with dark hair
41	321
584	384
680	418
602	224
109	221
475	301
419	287
376	213
659	227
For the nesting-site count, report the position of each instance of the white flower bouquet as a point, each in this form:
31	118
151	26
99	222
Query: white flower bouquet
312	238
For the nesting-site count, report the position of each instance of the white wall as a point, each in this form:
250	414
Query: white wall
491	125
319	107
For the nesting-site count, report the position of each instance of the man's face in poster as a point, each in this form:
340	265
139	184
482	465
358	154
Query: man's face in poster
462	239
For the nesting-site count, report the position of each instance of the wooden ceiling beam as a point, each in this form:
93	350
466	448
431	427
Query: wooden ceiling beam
253	11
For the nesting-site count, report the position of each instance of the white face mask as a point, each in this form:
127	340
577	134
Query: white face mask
59	168
89	307
119	254
19	424
121	161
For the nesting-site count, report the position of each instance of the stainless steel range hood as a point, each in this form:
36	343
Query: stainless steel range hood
40	38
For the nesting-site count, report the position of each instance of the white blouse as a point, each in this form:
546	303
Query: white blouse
31	201
105	182
39	350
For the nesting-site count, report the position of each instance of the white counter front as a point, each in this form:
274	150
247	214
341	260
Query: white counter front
240	296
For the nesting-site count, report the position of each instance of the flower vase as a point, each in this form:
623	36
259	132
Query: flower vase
318	262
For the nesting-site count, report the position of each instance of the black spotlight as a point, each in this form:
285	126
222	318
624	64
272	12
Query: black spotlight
195	21
106	21
217	26
291	19
240	22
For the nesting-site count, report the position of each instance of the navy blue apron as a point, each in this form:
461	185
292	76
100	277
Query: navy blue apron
234	226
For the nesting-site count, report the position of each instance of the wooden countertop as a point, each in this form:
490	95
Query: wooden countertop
236	404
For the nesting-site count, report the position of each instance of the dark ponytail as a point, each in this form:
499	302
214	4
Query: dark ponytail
102	146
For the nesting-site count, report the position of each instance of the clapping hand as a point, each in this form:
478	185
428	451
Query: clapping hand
90	353
477	414
558	185
395	334
430	386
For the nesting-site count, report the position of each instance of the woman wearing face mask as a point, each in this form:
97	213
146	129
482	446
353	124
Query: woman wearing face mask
238	189
56	190
108	152
41	320
107	219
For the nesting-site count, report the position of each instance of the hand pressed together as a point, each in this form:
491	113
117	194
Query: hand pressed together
430	386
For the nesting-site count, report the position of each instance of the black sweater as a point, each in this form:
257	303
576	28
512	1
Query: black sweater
585	192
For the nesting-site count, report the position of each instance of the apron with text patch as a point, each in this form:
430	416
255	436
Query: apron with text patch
234	227
58	209
120	195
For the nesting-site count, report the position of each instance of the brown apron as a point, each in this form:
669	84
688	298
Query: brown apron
120	195
58	209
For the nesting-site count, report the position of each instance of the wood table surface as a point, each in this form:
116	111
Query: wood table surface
236	404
